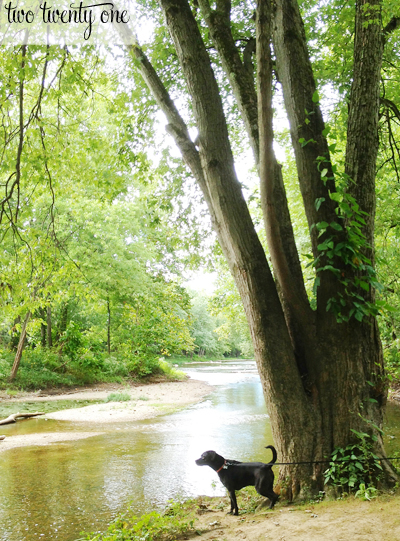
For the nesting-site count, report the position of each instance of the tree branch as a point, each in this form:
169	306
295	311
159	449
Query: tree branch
391	26
305	117
280	235
362	126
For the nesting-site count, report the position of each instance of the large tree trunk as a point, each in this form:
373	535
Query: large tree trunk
321	379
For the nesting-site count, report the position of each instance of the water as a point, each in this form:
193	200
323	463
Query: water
56	491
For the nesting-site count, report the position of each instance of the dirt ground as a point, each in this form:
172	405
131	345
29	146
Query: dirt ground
147	401
347	520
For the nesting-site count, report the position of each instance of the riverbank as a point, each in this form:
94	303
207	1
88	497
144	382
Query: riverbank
146	401
347	520
205	518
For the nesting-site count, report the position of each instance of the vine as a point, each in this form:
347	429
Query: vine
343	251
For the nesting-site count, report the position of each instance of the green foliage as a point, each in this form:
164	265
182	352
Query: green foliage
343	252
118	397
43	368
366	493
204	328
100	227
71	341
168	370
354	465
154	526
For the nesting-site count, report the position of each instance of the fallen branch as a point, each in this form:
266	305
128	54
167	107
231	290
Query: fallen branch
13	418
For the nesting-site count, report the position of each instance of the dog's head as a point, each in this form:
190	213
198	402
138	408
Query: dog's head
208	458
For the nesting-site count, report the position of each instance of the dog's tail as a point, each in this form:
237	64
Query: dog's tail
274	454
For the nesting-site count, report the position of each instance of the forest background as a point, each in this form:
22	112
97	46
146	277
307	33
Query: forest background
98	234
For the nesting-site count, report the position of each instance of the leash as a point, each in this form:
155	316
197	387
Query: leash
328	461
226	464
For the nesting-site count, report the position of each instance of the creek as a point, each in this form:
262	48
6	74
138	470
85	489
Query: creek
57	491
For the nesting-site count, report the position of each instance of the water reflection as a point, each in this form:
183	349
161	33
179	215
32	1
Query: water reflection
56	491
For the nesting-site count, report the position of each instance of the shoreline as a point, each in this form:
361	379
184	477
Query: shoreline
147	401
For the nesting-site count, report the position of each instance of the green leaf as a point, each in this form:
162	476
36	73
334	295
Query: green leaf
336	226
364	285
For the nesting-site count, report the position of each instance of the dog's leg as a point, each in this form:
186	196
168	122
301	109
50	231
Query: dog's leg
267	492
234	506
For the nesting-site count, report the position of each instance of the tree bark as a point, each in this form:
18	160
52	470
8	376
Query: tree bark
304	114
20	347
255	112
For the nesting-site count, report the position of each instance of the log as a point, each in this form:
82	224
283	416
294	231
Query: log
13	417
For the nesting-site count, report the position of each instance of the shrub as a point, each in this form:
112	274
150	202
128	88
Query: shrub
354	465
167	369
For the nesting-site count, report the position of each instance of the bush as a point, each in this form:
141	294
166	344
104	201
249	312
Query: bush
168	370
355	465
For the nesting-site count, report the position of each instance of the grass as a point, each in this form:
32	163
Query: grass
7	408
118	397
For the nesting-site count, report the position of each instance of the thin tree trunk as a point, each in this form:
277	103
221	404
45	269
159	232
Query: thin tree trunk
108	328
49	329
20	347
43	330
14	339
62	326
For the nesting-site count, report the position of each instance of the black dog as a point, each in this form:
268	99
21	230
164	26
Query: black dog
235	475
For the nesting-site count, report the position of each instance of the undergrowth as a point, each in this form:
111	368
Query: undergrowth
174	523
43	368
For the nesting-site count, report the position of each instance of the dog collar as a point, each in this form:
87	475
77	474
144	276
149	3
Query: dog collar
222	467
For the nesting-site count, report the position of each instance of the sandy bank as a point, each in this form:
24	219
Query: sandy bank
147	401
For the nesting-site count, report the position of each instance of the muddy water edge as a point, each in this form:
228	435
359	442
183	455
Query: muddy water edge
58	490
